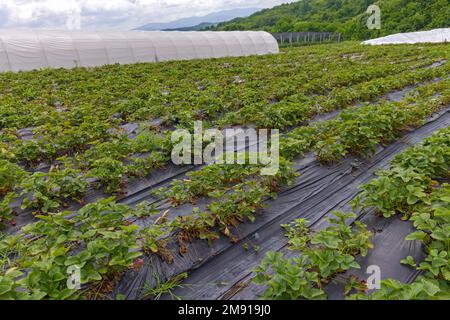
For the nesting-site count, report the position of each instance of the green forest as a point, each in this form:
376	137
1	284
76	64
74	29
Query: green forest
347	17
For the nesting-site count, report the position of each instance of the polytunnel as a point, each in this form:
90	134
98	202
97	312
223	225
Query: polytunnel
431	36
22	50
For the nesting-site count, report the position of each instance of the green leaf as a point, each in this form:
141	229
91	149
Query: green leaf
417	235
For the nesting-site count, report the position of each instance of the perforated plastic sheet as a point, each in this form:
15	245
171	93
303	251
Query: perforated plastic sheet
27	50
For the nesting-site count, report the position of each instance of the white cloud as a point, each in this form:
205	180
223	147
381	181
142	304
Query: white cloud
112	14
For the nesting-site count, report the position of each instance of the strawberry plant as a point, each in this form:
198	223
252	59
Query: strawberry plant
196	226
110	174
427	208
410	179
154	238
6	211
10	176
46	192
98	239
323	254
11	289
287	279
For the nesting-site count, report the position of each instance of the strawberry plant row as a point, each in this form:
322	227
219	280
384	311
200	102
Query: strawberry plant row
356	131
328	252
411	189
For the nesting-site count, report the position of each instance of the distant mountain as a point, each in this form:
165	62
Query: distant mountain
198	27
200	22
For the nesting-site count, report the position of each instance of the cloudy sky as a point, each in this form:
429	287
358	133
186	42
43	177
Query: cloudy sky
111	14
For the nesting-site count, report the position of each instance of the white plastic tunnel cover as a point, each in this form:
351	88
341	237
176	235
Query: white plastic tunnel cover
27	50
431	36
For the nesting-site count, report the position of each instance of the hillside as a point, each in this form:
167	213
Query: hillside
347	17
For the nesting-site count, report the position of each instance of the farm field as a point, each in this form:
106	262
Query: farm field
86	178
